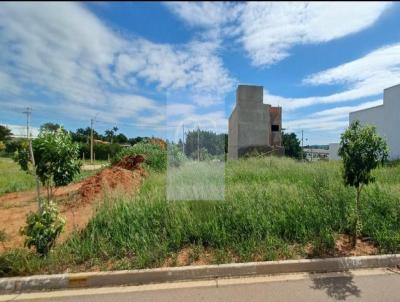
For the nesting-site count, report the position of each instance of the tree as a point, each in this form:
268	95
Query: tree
292	145
109	134
56	164
214	144
50	127
56	158
120	139
5	133
362	150
82	135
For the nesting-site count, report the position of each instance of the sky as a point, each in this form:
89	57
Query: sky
153	68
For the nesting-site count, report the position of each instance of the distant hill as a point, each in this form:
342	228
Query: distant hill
326	147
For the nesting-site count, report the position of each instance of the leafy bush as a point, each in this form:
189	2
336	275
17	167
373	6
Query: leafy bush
155	156
13	145
43	228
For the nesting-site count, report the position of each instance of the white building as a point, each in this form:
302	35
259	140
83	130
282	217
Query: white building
385	117
19	131
314	154
333	151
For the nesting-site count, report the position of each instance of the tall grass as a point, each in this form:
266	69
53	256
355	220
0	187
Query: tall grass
273	209
12	178
193	180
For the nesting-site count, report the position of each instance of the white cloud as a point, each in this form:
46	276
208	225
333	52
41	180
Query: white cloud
64	52
269	30
332	119
345	110
7	85
194	67
180	109
204	14
316	124
364	77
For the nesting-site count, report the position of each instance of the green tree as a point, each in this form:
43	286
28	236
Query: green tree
120	139
109	134
56	158
50	127
292	145
362	150
5	133
56	164
213	143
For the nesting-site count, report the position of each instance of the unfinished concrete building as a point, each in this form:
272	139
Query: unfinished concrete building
253	125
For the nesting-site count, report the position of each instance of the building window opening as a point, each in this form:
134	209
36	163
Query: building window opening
274	128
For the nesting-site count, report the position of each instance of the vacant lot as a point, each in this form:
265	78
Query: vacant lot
273	209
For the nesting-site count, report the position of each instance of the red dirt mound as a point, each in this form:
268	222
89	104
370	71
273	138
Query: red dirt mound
110	178
130	162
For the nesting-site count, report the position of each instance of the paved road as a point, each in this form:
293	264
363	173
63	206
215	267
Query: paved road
361	285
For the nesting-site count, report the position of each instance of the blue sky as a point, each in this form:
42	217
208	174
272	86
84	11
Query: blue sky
150	68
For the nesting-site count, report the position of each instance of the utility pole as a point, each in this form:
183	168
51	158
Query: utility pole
302	147
183	139
91	140
28	113
198	143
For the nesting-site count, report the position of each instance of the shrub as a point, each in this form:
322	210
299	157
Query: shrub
14	145
43	228
155	156
175	156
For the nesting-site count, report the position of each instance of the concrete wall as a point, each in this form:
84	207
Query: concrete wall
333	151
233	135
386	118
276	119
249	123
392	119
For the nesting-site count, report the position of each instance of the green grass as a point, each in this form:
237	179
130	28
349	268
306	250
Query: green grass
95	162
13	179
273	209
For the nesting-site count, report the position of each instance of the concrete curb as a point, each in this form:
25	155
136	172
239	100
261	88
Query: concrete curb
161	275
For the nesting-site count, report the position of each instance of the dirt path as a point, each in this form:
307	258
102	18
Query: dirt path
77	202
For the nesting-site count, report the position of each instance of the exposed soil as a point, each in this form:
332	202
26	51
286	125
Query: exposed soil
362	248
77	202
344	248
187	256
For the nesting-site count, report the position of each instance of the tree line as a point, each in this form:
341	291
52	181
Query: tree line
197	142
